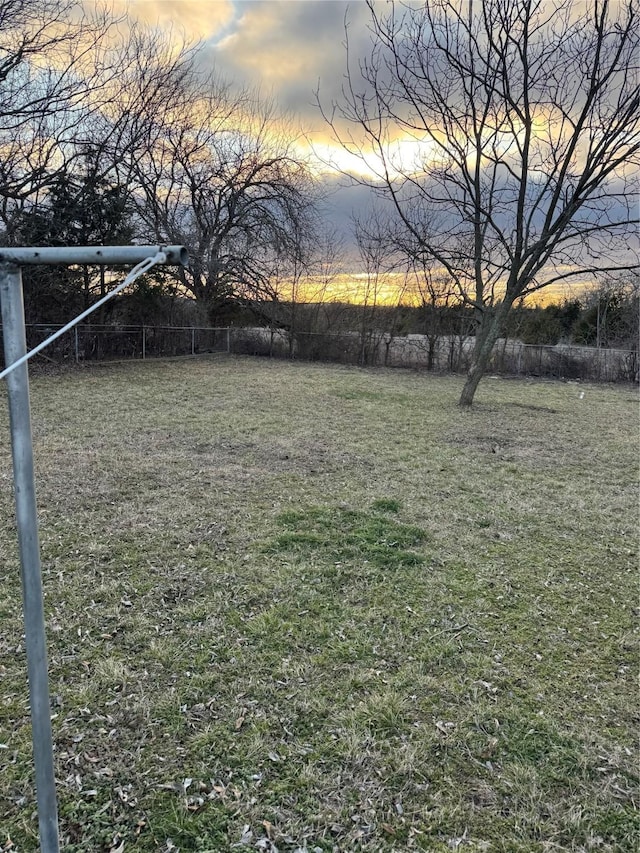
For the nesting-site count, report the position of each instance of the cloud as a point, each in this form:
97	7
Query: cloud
289	48
197	19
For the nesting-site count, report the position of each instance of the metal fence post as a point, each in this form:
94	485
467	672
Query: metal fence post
77	349
144	343
228	340
15	347
193	341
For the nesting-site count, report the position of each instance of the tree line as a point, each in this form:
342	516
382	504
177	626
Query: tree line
605	317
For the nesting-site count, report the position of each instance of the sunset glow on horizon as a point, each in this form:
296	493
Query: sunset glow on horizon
292	54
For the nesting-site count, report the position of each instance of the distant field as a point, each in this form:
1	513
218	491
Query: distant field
298	607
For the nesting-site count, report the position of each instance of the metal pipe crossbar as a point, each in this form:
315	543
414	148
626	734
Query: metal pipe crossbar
159	258
102	255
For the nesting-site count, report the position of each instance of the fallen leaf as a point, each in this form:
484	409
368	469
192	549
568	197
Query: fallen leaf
246	837
194	803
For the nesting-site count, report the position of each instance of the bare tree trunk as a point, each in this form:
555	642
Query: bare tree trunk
431	352
487	335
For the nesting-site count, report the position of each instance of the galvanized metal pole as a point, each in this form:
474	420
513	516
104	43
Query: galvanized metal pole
15	347
102	255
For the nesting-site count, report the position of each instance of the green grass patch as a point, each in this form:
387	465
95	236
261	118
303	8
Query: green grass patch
386	505
339	535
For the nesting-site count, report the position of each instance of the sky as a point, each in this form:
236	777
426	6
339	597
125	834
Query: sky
286	47
290	50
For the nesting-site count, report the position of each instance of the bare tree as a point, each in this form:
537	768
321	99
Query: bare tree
506	135
320	310
69	118
378	259
612	313
56	61
438	299
288	282
217	172
327	265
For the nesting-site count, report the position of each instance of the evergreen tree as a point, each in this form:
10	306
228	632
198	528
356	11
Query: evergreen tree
79	209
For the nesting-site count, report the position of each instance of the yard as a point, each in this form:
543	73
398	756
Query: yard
298	607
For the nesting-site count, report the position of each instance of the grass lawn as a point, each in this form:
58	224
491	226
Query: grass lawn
313	608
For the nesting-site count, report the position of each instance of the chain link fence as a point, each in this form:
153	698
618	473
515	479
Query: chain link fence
115	343
444	353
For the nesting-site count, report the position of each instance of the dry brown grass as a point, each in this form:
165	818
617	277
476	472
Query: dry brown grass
242	658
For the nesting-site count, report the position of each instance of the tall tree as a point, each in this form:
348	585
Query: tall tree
506	135
612	314
219	174
437	303
378	260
